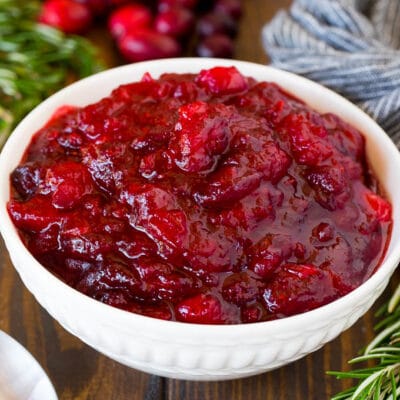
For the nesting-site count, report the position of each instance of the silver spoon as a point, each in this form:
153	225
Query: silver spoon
21	376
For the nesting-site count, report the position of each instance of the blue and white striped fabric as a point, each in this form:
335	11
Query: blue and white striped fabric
350	46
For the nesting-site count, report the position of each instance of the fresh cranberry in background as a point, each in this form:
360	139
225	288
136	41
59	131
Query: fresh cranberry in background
164	5
215	22
127	18
210	23
176	21
146	44
217	45
67	15
229	7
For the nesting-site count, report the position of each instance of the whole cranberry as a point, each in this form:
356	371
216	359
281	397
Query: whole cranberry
201	309
127	18
176	21
216	22
146	44
217	45
164	5
66	15
229	7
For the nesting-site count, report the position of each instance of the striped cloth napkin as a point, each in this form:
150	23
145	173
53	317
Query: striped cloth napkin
350	46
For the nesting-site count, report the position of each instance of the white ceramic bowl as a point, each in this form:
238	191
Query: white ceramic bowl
21	376
190	351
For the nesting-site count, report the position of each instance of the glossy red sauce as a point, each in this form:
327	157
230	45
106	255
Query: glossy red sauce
208	198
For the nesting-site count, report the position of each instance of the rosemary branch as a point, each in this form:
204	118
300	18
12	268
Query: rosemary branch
35	61
382	381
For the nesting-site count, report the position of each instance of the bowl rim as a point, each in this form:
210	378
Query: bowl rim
13	241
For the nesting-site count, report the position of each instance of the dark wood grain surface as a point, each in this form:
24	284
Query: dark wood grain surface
78	372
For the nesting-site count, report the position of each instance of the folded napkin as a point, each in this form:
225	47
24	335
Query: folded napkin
350	46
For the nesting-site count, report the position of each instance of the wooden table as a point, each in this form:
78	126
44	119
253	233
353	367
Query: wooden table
78	372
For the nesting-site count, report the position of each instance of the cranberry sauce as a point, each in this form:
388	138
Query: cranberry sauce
208	198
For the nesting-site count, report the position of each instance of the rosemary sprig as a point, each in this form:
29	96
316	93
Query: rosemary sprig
382	381
35	61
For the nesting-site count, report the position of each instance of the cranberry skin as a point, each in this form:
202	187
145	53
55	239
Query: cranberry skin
111	277
164	5
216	22
217	45
232	8
241	289
34	215
176	21
160	310
203	136
379	207
26	179
299	288
127	18
306	140
203	309
253	313
323	232
163	282
66	15
68	182
220	80
146	45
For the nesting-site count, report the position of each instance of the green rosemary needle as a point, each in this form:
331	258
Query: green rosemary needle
382	381
35	61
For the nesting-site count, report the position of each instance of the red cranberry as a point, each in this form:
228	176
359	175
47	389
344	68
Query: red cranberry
323	232
169	230
69	182
112	276
307	145
228	185
146	45
66	15
128	18
265	265
175	21
34	215
252	313
200	151
160	310
26	179
229	7
240	288
217	45
162	281
379	206
202	309
329	179
219	80
299	288
214	22
46	240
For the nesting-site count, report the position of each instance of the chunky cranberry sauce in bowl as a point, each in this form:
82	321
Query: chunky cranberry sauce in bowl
201	219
